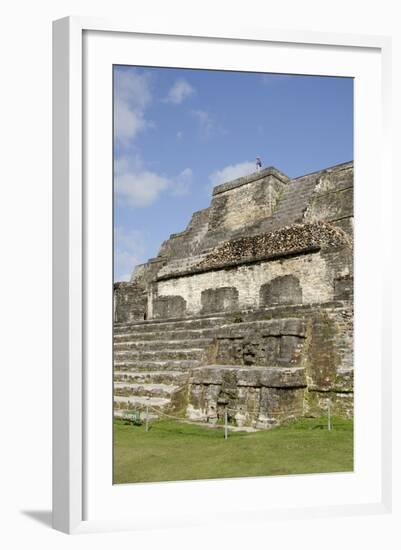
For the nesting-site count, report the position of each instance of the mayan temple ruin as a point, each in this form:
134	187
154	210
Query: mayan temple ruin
249	309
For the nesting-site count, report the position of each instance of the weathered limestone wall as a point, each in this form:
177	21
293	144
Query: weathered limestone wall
187	243
254	396
311	274
130	302
271	343
268	371
333	198
329	362
257	373
238	204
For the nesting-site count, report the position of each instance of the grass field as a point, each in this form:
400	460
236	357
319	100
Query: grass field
179	451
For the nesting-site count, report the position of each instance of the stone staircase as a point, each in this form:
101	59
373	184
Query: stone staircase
292	205
153	359
265	366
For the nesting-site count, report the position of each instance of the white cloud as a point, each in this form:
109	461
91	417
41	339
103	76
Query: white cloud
180	90
180	134
139	187
132	97
133	87
129	251
134	185
231	172
181	184
127	122
124	164
205	120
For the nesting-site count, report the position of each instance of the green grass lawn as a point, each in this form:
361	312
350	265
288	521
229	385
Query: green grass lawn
179	451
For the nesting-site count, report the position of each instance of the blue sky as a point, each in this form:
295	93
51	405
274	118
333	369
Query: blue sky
179	132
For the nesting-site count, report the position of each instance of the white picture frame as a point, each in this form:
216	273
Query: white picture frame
71	257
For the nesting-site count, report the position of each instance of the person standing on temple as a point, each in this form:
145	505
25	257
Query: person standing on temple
258	164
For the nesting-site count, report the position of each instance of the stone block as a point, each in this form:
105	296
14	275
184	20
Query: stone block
216	300
341	404
130	302
281	290
274	377
290	349
165	307
274	342
278	405
344	381
344	288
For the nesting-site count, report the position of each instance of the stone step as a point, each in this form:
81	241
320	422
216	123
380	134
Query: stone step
172	324
297	193
293	196
153	377
294	210
291	217
127	345
163	354
169	365
167	335
205	319
149	390
291	204
252	376
131	402
289	220
285	221
289	212
291	200
284	326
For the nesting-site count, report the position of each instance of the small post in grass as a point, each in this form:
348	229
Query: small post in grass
225	424
147	417
328	415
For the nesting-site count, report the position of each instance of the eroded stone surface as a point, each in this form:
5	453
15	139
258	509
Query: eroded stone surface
130	302
169	307
215	300
256	396
281	290
249	309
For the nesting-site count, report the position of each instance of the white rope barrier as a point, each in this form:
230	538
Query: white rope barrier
159	411
146	407
205	419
